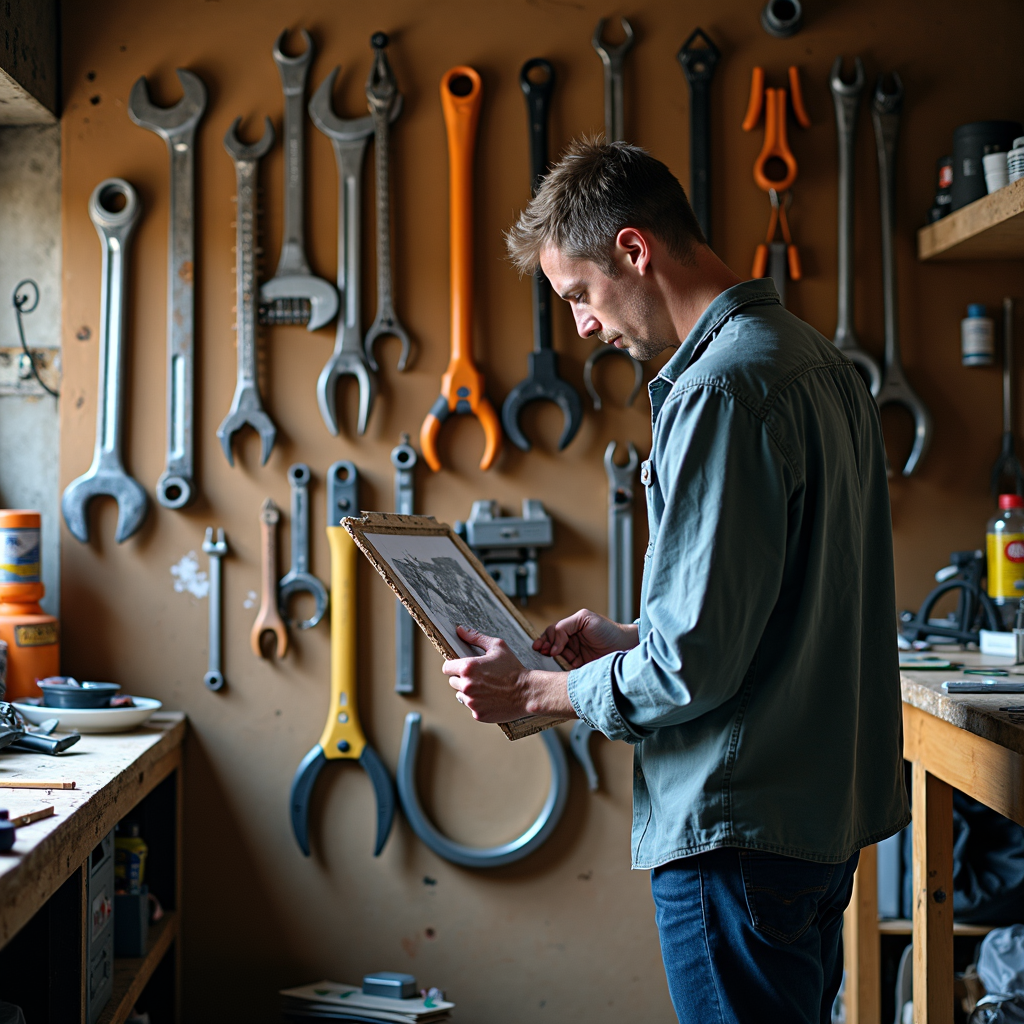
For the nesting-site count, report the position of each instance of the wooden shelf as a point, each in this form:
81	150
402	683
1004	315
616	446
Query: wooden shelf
131	974
904	926
990	228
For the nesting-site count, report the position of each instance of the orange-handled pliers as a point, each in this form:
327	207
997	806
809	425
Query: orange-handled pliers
776	145
462	386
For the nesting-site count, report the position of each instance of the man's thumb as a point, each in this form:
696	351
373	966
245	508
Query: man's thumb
475	637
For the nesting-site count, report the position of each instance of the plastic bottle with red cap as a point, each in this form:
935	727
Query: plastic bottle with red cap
1004	537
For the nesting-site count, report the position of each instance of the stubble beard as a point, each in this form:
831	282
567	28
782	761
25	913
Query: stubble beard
639	309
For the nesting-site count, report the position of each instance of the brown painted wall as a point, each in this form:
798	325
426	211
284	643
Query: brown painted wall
568	935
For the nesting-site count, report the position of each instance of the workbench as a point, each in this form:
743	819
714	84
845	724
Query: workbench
963	742
43	916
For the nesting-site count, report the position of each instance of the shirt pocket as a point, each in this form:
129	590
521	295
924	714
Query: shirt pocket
783	893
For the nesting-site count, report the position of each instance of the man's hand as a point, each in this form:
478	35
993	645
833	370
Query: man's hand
497	688
586	636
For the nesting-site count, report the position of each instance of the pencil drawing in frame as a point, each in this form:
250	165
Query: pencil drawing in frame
443	584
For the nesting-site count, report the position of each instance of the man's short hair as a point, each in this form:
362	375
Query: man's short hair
594	191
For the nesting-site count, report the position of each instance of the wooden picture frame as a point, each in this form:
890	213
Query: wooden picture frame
369	530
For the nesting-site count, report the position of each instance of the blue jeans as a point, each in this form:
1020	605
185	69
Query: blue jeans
750	937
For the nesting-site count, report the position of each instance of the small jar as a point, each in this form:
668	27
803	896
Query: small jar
1004	536
1015	160
977	337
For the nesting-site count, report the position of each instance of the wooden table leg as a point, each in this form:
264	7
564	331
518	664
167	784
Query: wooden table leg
861	947
933	898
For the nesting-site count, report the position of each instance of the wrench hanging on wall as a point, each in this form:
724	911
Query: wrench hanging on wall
268	619
1007	465
298	579
216	549
698	63
294	295
404	459
177	125
107	474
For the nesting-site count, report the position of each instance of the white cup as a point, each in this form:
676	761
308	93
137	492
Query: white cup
996	171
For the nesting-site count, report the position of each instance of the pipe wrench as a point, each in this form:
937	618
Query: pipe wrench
404	459
342	738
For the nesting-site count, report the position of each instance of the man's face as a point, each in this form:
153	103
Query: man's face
620	311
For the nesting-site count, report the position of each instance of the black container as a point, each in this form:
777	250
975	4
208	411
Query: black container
88	695
7	832
970	143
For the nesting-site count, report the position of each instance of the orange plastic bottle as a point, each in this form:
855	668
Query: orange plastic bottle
33	640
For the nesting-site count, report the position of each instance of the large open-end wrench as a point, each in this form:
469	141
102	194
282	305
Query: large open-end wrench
846	100
177	127
216	549
698	63
349	138
299	579
295	295
381	94
543	382
404	459
885	115
620	576
246	406
107	474
268	618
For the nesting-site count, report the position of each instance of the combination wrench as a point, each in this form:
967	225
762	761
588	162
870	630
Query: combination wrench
349	139
620	576
107	474
295	295
268	619
698	64
177	125
846	100
299	579
246	406
216	549
885	115
381	93
404	459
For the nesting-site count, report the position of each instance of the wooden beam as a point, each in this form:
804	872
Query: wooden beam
861	948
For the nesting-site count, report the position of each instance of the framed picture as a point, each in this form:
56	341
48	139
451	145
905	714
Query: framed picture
443	584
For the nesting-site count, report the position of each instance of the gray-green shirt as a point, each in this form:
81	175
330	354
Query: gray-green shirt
763	696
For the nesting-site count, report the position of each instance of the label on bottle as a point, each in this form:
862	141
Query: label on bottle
1005	564
19	555
38	634
977	341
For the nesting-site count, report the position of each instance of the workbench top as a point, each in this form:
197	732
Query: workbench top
977	713
111	773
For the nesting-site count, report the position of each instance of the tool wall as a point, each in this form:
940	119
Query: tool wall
568	933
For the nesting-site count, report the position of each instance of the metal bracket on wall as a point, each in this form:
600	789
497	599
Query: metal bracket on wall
16	374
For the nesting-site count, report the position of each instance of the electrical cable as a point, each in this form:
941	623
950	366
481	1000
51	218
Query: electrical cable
21	306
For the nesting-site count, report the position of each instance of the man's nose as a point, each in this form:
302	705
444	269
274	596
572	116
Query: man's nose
586	324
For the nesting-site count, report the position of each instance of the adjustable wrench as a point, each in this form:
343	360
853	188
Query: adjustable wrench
349	138
268	619
404	459
107	475
846	100
885	115
620	575
381	91
299	579
246	406
177	127
295	294
214	678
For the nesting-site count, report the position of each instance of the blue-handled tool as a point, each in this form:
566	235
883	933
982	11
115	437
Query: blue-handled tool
343	737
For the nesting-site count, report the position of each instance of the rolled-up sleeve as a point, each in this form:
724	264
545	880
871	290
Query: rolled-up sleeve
714	573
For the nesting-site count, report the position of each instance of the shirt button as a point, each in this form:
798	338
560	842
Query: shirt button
645	472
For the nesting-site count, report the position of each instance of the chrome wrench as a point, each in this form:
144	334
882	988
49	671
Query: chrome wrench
620	575
216	549
381	91
295	295
177	127
885	115
299	579
107	474
246	406
404	459
846	100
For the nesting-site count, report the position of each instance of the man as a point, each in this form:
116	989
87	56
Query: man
760	684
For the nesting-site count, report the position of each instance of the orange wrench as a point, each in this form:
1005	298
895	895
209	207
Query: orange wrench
462	386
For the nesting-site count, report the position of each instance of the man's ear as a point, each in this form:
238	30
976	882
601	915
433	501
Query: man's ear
633	246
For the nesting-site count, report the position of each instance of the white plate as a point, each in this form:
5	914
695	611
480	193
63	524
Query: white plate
93	719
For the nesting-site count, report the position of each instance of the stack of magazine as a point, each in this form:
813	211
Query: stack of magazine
330	1000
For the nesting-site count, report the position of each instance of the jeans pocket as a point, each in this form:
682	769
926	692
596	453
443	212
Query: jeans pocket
783	893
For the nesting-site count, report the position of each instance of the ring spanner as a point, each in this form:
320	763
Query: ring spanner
846	100
620	575
216	549
298	579
294	295
343	737
885	115
107	475
246	406
404	459
177	127
543	382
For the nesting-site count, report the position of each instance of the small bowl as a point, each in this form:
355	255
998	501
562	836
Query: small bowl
88	695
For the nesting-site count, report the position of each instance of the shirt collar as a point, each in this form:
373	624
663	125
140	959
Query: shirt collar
722	308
